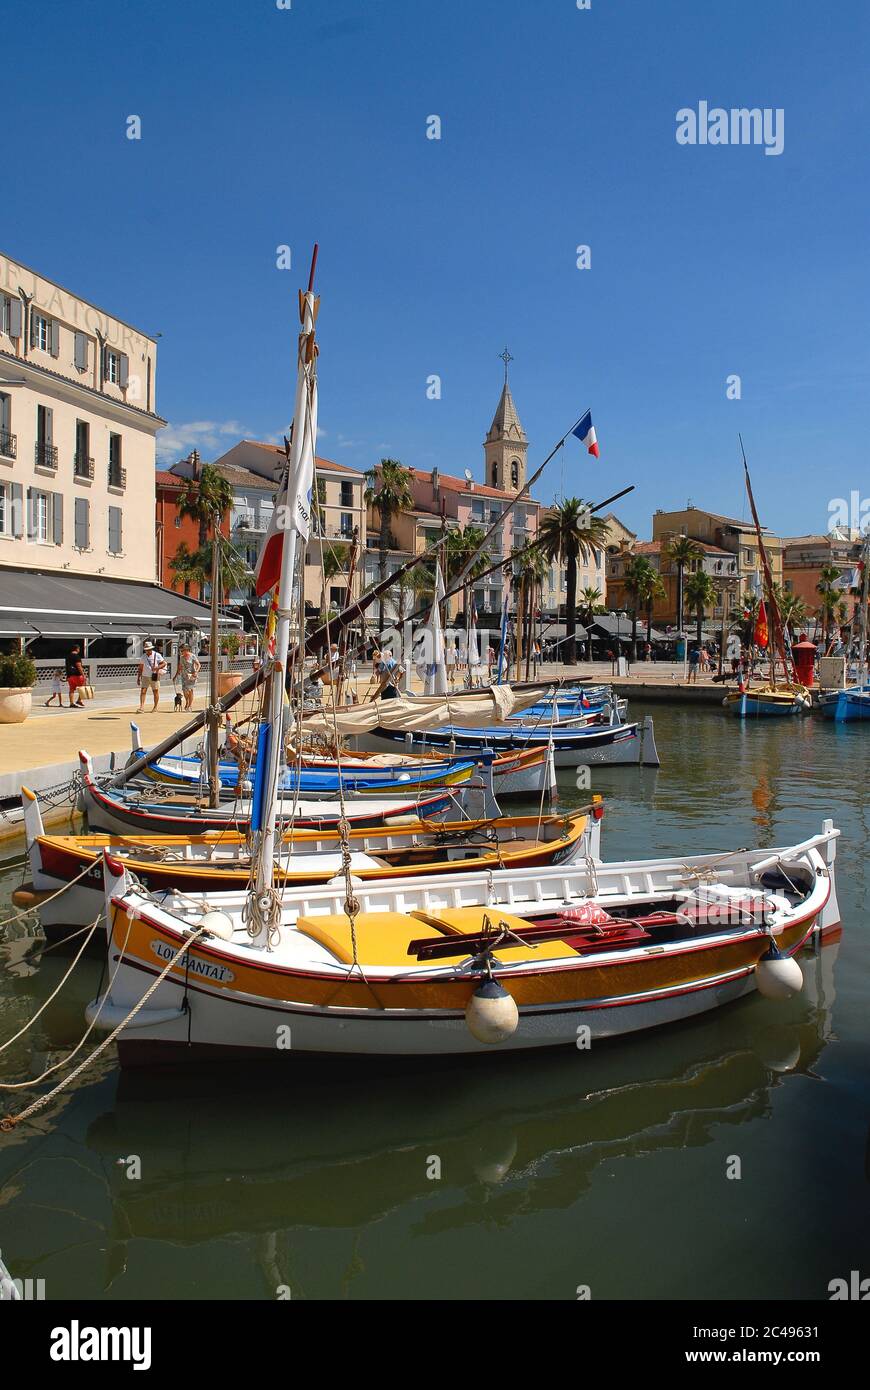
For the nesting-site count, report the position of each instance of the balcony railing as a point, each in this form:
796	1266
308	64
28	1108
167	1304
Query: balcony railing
8	445
251	521
46	456
84	466
117	476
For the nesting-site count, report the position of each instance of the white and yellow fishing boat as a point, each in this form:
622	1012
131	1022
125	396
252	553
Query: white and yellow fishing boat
431	967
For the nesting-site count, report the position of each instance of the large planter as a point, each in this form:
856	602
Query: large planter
15	703
228	680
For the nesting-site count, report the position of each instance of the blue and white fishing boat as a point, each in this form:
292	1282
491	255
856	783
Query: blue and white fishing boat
576	745
853	701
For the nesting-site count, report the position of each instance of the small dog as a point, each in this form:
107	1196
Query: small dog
178	700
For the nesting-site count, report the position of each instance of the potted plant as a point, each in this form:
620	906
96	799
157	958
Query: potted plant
17	677
228	680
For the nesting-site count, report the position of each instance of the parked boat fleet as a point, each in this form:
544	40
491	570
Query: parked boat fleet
352	885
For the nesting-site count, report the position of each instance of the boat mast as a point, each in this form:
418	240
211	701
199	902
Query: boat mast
777	645
865	596
299	479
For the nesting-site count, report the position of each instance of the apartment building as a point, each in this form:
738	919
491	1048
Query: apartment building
728	534
804	558
77	433
254	470
713	560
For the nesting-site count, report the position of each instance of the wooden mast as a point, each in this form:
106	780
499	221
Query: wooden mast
778	641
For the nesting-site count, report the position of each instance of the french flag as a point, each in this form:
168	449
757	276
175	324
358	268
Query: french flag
585	432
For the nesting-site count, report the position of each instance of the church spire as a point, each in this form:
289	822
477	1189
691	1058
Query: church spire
506	445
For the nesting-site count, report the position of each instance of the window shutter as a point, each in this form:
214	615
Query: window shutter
49	426
115	530
31	509
17	510
81	352
32	327
15	318
57	517
124	373
54	337
82	520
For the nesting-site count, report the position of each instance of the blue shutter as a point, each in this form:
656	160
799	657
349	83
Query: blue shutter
17	510
82	523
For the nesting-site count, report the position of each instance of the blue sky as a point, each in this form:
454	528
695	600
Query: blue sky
263	127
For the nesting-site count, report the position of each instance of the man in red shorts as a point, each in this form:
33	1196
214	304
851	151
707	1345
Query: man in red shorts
75	677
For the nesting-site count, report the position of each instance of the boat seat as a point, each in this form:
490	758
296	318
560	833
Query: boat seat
468	920
382	937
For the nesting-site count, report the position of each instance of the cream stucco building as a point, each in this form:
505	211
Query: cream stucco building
77	433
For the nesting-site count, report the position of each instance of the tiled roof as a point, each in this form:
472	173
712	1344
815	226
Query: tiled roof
654	547
451	484
278	450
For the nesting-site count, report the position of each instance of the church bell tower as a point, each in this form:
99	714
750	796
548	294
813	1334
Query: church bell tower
506	445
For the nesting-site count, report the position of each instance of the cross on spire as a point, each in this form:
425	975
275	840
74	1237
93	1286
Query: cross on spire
505	357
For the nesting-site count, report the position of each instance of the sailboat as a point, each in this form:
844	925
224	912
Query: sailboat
443	964
775	697
853	701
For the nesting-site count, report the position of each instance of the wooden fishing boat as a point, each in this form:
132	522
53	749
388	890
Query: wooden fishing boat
768	700
134	810
434	968
69	896
847	705
576	744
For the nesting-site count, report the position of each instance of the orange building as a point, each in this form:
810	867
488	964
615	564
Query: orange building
173	529
719	564
804	557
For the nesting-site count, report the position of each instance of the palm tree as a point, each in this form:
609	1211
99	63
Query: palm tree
701	594
655	590
829	597
639	584
792	610
568	532
460	547
683	551
188	568
235	572
388	487
528	569
206	499
590	600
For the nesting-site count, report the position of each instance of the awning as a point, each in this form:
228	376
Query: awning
38	603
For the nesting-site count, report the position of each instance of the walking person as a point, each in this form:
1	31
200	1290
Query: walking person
151	669
189	667
57	684
75	677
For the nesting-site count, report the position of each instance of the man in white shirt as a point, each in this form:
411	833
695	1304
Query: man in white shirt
151	668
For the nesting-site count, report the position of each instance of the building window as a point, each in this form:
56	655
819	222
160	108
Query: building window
347	525
114	530
347	494
38	520
337	598
495	475
8	442
515	473
83	463
45	453
321	490
5	314
117	475
5	510
40	332
113	367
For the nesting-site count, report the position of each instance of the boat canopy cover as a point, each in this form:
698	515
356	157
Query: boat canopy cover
411	714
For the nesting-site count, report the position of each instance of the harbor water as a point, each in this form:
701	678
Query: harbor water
725	1157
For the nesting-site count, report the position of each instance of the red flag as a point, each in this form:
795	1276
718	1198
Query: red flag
759	636
267	571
